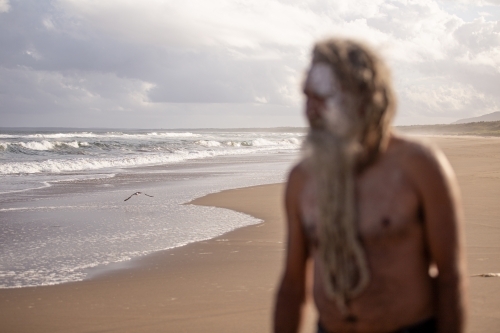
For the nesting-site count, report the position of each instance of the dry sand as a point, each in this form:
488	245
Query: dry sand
476	162
227	284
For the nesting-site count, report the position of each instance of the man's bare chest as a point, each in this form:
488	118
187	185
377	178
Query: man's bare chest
388	205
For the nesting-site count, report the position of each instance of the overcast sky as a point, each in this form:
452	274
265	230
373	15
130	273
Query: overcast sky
233	63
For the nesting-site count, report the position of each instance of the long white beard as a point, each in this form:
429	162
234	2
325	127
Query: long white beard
332	159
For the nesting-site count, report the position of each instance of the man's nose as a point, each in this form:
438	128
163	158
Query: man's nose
313	108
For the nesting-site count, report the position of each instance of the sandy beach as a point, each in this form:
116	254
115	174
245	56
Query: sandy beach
221	285
227	284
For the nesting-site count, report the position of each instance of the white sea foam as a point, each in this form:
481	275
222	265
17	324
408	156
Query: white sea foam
57	260
63	135
37	145
261	142
29	188
79	164
73	144
43	145
291	141
101	135
13	209
174	134
209	143
94	163
72	207
28	184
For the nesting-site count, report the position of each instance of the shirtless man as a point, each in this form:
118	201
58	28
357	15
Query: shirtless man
378	214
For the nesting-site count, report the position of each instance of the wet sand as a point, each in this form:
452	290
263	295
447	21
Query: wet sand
221	285
227	284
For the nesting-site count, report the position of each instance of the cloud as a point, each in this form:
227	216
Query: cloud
170	57
54	92
194	23
479	42
4	6
443	95
480	3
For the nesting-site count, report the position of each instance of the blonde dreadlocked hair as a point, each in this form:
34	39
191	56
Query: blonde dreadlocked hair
365	80
365	77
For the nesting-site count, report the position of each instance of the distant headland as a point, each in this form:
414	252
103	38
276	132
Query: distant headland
485	125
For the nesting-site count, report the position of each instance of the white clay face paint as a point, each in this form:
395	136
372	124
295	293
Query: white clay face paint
335	115
322	81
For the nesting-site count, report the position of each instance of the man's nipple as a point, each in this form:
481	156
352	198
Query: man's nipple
351	318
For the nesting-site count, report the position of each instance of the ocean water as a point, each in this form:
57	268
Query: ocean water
27	156
62	208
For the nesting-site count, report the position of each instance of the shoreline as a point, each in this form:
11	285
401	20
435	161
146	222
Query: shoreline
211	286
92	214
216	200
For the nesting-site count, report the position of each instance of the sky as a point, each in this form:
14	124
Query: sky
238	63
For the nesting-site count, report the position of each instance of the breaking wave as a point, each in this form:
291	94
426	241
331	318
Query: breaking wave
80	164
101	135
43	145
31	153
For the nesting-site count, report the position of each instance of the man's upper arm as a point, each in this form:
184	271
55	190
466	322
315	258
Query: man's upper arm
443	221
297	250
442	209
291	294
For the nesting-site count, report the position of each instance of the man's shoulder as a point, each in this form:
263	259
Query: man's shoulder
411	150
420	158
298	173
295	185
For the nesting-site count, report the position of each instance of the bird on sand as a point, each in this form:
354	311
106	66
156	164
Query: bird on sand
137	193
